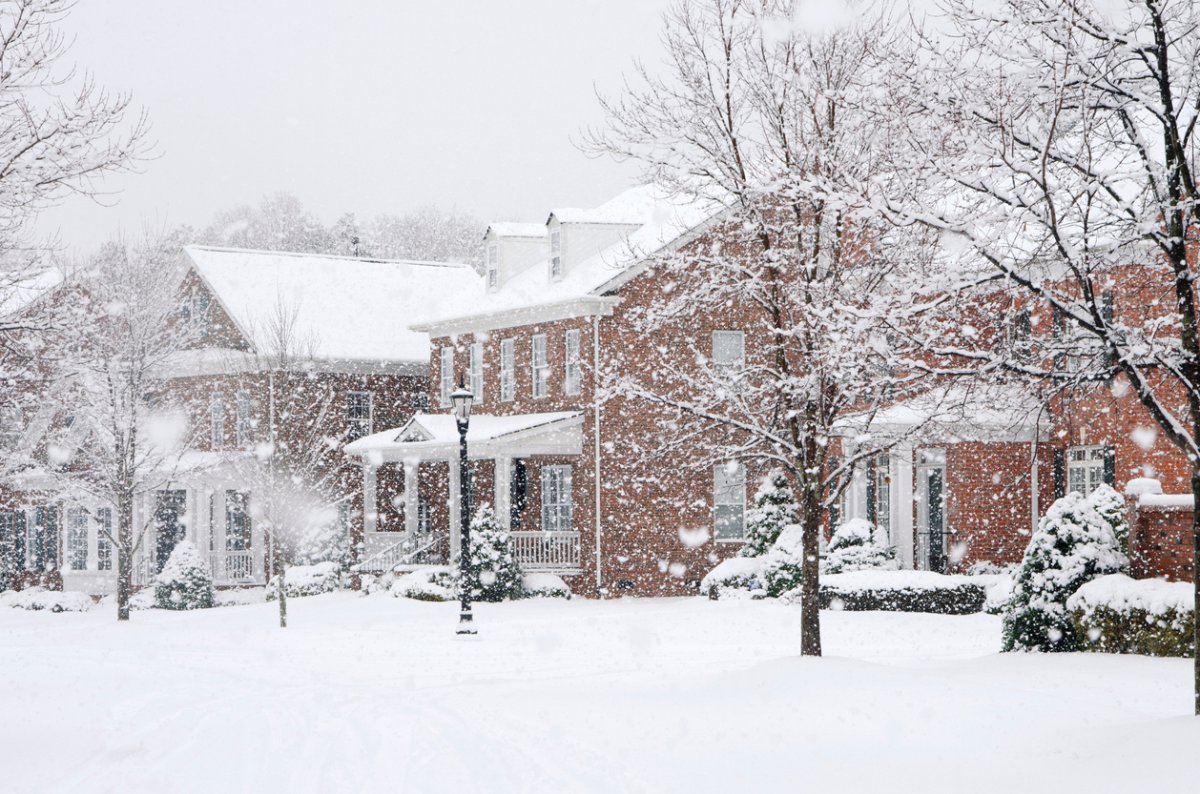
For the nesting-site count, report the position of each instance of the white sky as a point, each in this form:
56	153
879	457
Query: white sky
364	106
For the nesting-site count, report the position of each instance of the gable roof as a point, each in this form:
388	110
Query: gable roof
347	308
661	220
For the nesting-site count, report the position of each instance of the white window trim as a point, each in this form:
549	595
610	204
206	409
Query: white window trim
565	504
732	369
75	519
216	420
446	376
508	370
475	371
536	368
350	420
493	267
572	372
1093	459
717	469
243	410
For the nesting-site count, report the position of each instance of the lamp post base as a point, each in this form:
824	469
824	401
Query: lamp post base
466	624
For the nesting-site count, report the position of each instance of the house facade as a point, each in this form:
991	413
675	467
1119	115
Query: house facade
286	351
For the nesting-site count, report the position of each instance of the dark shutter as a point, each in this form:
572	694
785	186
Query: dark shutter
1060	473
1110	466
872	515
518	493
1058	328
18	540
1023	326
1106	307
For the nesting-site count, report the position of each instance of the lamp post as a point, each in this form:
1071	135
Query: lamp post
461	399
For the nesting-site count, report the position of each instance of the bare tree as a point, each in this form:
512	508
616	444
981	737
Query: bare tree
771	121
1055	143
113	381
294	474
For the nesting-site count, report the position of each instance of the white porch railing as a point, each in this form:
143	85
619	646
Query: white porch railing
380	557
231	566
556	552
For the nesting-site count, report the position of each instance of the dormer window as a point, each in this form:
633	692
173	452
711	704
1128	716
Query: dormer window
493	267
555	255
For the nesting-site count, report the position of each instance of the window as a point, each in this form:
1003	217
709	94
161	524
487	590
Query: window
237	521
446	376
541	369
571	375
729	501
104	546
424	517
12	426
216	415
556	498
728	354
476	371
243	427
77	539
508	370
358	414
198	313
41	539
556	255
493	266
881	494
1085	469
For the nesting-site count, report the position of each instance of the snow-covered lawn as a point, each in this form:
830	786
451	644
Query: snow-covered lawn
378	694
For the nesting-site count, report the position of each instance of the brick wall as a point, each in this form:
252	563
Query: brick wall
1160	543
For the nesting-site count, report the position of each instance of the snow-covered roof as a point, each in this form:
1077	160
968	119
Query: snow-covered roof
505	229
1007	412
19	292
432	435
346	308
661	220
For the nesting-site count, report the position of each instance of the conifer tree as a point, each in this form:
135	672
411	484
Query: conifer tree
1111	507
185	581
774	509
494	572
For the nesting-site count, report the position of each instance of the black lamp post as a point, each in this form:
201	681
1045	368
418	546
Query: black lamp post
461	399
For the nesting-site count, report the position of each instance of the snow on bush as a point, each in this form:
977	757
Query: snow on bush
493	571
737	577
1111	507
774	510
898	591
989	568
306	580
545	585
185	581
854	547
1117	614
38	599
435	583
1072	545
782	564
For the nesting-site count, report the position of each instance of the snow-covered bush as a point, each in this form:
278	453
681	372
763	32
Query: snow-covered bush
737	577
38	599
494	573
1117	614
854	547
185	582
781	570
899	591
435	583
774	509
1072	545
989	568
1111	507
306	580
545	585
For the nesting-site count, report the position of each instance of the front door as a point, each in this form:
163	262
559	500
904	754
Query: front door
170	524
931	510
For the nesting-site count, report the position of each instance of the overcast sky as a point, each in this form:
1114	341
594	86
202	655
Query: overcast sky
365	106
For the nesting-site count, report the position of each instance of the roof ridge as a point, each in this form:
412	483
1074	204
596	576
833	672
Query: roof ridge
303	255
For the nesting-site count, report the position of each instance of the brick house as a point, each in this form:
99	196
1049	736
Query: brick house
572	475
348	346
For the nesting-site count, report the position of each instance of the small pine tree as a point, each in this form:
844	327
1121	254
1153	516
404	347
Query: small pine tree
1111	507
1073	544
494	573
854	546
774	510
185	581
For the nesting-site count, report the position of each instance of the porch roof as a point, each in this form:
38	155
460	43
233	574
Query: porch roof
435	437
1007	412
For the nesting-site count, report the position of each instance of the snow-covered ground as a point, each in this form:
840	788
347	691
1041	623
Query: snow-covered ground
378	694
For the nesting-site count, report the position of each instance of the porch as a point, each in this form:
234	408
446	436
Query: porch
426	450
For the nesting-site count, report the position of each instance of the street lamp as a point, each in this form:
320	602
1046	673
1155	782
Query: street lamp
461	399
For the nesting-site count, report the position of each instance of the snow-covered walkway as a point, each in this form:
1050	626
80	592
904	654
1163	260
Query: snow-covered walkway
378	694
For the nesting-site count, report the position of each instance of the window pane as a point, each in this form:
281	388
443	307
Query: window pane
728	347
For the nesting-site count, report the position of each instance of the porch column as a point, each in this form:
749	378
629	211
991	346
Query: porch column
452	503
412	496
903	504
503	478
258	542
370	498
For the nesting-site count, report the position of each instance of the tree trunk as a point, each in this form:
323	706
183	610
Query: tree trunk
810	571
124	555
281	571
